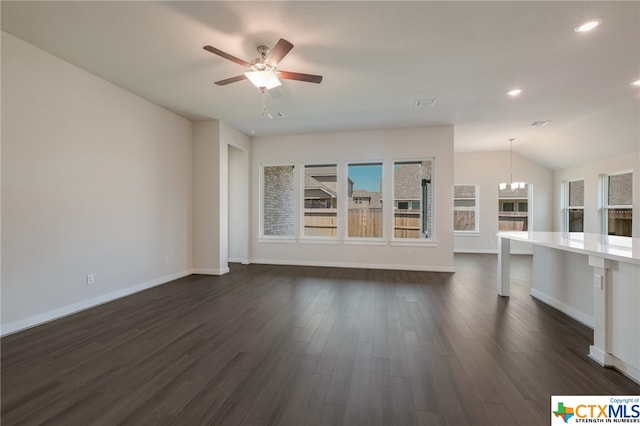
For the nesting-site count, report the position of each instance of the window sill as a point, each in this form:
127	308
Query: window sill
319	241
276	240
414	243
466	233
365	242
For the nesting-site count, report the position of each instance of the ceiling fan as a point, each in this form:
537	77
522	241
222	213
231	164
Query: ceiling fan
263	71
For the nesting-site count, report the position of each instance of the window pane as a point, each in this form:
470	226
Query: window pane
464	203
619	222
412	185
278	201
365	200
576	193
620	187
464	208
320	200
464	191
576	220
513	209
464	220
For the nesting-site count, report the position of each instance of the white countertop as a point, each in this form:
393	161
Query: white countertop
622	249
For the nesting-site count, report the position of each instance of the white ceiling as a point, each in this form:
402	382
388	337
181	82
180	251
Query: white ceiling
377	59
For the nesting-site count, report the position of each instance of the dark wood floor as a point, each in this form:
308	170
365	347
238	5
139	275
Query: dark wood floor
304	346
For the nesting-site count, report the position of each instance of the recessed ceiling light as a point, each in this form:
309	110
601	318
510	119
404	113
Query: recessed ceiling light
514	92
636	83
588	26
275	115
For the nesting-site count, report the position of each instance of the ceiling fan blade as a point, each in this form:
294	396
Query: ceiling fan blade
278	52
310	78
231	80
227	56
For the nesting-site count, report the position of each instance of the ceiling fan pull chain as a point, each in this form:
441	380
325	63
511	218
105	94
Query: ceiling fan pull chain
264	102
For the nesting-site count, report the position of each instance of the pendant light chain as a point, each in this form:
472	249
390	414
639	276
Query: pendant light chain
511	162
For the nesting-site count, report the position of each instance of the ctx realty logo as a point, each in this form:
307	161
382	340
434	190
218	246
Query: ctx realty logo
577	409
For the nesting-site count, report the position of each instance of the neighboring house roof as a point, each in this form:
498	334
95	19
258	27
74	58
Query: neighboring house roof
320	171
513	193
464	191
404	182
311	183
374	197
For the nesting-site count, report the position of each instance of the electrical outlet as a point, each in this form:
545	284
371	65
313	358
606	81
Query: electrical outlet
90	279
598	281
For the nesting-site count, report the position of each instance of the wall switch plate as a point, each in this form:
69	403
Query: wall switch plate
90	279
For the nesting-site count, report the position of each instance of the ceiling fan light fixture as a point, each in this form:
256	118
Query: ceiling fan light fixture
266	79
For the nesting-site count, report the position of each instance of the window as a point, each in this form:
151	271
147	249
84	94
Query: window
320	200
513	209
465	204
278	206
412	182
574	213
364	219
619	204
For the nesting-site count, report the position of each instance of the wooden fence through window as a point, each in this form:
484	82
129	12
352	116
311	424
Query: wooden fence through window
361	222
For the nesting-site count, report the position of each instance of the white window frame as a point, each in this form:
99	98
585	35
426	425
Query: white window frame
567	207
345	204
475	209
414	241
604	183
278	238
515	208
340	200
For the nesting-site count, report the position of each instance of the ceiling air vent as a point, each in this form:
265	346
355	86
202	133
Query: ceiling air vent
425	103
540	123
275	115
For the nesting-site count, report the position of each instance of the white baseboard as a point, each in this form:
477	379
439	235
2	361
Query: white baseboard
205	271
566	309
23	324
490	251
354	265
609	360
475	251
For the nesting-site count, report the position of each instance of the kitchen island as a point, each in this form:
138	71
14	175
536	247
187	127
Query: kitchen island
593	278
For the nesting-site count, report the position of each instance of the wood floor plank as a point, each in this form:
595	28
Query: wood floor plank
293	345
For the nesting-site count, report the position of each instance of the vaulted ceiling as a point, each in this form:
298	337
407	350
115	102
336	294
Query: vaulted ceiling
377	60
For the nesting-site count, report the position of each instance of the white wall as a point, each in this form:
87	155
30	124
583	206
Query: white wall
590	173
95	180
487	170
342	148
208	256
212	141
238	205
